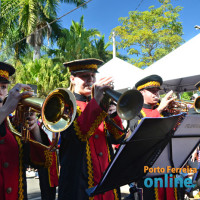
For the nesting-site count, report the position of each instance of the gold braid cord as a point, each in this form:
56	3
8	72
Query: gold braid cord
175	192
156	193
85	138
150	83
20	190
109	159
95	125
90	168
114	131
48	158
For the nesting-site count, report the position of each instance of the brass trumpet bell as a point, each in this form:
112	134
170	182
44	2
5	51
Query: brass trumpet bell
57	111
197	104
129	104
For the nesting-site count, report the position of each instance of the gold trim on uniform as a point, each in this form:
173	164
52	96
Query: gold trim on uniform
151	83
114	131
85	138
4	74
109	159
81	67
90	167
21	190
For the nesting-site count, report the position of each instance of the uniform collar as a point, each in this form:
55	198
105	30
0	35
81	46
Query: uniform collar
83	98
148	106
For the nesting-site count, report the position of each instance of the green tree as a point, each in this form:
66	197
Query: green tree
44	73
148	36
76	42
32	17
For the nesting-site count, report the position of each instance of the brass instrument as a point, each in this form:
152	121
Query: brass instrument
57	112
197	104
129	104
178	106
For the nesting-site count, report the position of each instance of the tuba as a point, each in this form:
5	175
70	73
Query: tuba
128	104
57	112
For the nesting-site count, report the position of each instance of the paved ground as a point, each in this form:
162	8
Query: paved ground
34	191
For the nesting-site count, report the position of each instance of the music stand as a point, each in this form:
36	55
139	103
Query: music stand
141	149
181	145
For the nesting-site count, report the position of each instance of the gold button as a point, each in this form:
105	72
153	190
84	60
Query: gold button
9	190
2	141
5	165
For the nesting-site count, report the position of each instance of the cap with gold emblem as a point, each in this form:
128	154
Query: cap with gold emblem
197	85
149	82
6	70
83	65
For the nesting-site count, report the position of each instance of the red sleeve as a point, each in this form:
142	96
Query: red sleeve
113	130
89	120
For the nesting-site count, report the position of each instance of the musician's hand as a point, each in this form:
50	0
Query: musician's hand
100	87
165	101
33	126
14	96
194	155
112	108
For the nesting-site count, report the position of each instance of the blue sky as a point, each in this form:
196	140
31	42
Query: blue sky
104	14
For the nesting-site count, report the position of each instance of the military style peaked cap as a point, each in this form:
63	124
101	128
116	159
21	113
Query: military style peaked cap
83	65
197	85
6	70
149	82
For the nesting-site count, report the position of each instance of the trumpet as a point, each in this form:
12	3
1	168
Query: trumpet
57	112
178	106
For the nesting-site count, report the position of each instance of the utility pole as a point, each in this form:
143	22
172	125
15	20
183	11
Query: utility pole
114	48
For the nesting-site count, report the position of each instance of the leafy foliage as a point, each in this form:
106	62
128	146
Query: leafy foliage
44	73
150	35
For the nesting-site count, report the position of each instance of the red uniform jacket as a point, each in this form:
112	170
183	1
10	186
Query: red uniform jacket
14	154
91	153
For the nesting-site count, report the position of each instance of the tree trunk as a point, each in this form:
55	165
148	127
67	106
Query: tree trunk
36	53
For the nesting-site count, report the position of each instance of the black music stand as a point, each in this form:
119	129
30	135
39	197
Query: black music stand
181	145
141	149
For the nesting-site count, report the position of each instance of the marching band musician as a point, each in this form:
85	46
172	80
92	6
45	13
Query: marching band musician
85	149
15	155
149	87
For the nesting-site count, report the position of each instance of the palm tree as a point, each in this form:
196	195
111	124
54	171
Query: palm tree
77	41
32	17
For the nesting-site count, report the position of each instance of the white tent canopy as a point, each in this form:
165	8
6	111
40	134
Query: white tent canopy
122	72
180	69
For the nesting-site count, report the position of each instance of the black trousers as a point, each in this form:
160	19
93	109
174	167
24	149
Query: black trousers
47	192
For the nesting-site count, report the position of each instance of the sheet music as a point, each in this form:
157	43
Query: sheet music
189	126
